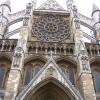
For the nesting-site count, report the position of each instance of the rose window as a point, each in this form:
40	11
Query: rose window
50	28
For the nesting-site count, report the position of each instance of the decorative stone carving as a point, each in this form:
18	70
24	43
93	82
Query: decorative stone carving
75	14
28	8
25	21
69	4
17	56
84	60
51	28
75	11
27	14
50	71
77	23
51	5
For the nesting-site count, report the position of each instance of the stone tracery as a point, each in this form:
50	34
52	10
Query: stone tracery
50	28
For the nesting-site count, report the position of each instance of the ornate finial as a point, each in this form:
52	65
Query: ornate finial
32	3
69	4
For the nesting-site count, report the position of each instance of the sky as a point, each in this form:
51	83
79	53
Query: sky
84	6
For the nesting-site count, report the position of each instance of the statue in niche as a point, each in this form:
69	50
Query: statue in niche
17	57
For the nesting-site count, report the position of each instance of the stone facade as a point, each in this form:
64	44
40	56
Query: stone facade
50	60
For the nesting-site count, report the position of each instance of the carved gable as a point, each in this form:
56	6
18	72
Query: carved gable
50	70
51	5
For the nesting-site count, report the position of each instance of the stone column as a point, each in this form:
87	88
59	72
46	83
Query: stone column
18	58
84	77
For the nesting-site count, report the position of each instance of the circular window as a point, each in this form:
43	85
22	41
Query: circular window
50	28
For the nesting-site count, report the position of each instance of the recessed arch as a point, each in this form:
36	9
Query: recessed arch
5	65
32	65
68	67
93	59
95	69
68	95
31	57
68	59
7	56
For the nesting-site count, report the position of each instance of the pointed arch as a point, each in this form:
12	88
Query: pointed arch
49	71
69	59
95	69
31	57
70	94
93	59
32	66
5	64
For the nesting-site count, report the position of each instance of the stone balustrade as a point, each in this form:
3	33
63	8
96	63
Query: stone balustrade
8	45
47	47
36	47
93	49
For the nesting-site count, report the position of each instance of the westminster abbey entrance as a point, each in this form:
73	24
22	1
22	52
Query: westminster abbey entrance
50	91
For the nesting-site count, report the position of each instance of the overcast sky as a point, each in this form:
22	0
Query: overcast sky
84	6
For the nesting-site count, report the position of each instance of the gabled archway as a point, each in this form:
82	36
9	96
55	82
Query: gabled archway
50	75
49	89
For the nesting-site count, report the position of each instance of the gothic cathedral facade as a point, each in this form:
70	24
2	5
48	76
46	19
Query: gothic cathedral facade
50	60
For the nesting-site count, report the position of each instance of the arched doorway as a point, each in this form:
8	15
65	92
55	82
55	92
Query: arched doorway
50	91
50	84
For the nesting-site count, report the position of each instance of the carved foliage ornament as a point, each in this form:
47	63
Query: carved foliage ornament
51	28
